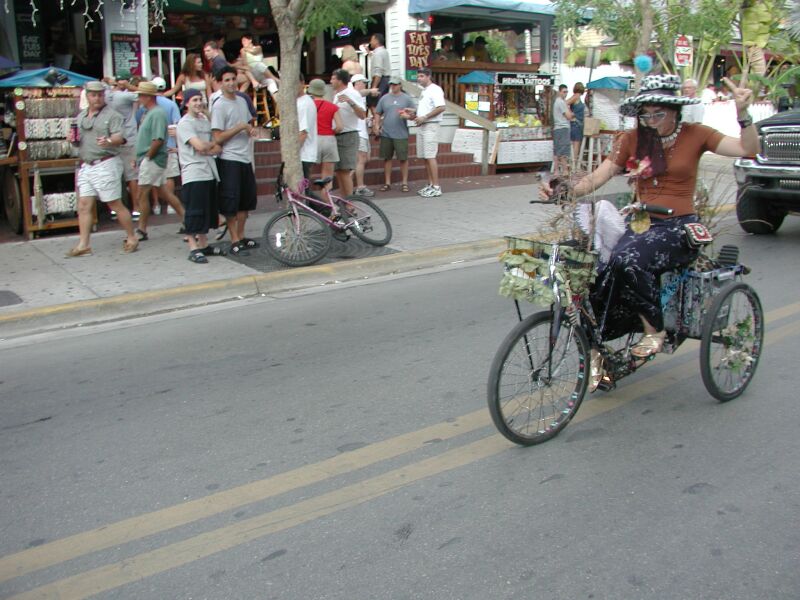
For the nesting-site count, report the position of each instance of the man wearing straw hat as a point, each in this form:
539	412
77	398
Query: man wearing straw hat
151	154
100	171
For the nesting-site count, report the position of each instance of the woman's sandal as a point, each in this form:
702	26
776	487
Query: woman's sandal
649	345
404	188
143	237
596	371
248	243
385	187
196	256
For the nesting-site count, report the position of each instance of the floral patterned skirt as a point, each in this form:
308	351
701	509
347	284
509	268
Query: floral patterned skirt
628	285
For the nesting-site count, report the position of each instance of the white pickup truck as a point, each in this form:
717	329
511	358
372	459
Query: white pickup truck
769	183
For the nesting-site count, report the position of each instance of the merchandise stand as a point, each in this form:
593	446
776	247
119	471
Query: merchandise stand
44	118
520	106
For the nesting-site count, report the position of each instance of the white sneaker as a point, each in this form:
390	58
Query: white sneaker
135	215
157	209
424	190
365	192
113	215
170	210
433	192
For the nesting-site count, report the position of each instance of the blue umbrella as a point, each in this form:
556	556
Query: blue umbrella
47	77
7	64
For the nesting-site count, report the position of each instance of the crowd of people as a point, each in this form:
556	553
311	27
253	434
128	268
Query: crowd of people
134	137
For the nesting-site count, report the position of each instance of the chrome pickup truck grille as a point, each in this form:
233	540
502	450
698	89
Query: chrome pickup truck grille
780	145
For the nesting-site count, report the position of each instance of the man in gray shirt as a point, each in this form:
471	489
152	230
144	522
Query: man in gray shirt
123	99
380	68
562	115
393	130
100	171
231	128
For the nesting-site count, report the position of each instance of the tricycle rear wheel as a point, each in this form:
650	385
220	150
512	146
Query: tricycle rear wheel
731	342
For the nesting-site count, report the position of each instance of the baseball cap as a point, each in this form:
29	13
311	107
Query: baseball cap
358	77
161	83
124	74
396	81
188	95
95	86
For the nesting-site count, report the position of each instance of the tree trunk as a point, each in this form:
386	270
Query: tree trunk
646	33
291	40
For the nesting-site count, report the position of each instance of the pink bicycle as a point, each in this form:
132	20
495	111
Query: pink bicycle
301	234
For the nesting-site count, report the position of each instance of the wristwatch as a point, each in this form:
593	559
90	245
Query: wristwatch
746	122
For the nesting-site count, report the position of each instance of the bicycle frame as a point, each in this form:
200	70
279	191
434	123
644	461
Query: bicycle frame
298	201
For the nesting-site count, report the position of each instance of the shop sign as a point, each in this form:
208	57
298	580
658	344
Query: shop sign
683	51
418	52
555	51
126	52
522	79
29	36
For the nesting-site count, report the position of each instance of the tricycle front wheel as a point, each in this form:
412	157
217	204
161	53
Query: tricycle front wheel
535	389
730	346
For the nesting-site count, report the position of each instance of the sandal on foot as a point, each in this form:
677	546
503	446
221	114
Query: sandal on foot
76	252
248	243
143	237
196	256
404	188
212	251
128	247
239	249
649	345
596	371
221	231
385	187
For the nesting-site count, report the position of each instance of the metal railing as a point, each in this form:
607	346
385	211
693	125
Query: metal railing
486	125
163	62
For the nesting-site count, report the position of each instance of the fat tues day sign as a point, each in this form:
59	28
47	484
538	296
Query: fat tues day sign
418	52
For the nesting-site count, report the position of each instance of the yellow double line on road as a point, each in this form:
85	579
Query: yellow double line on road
150	563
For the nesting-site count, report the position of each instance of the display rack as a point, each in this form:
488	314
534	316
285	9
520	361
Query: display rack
44	117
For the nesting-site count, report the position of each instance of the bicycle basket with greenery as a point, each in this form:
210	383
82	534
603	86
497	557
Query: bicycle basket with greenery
527	272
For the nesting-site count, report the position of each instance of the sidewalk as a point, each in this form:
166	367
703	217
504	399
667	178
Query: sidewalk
465	224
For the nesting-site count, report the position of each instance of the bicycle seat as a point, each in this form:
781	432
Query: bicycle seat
322	182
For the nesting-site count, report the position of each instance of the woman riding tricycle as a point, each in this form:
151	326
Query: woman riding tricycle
647	291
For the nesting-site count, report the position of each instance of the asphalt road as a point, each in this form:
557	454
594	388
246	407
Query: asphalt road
336	444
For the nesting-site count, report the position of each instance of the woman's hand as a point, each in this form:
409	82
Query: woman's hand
742	96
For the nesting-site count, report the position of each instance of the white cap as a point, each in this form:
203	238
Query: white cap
358	77
161	84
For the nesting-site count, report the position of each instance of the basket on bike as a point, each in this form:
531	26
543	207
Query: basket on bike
527	273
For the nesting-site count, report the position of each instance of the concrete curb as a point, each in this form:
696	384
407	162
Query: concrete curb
125	306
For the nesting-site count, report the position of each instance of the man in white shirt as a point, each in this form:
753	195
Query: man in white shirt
349	102
307	125
691	113
427	117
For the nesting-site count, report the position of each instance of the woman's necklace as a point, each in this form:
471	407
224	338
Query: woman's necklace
668	139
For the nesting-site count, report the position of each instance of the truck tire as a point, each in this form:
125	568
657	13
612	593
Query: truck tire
755	215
